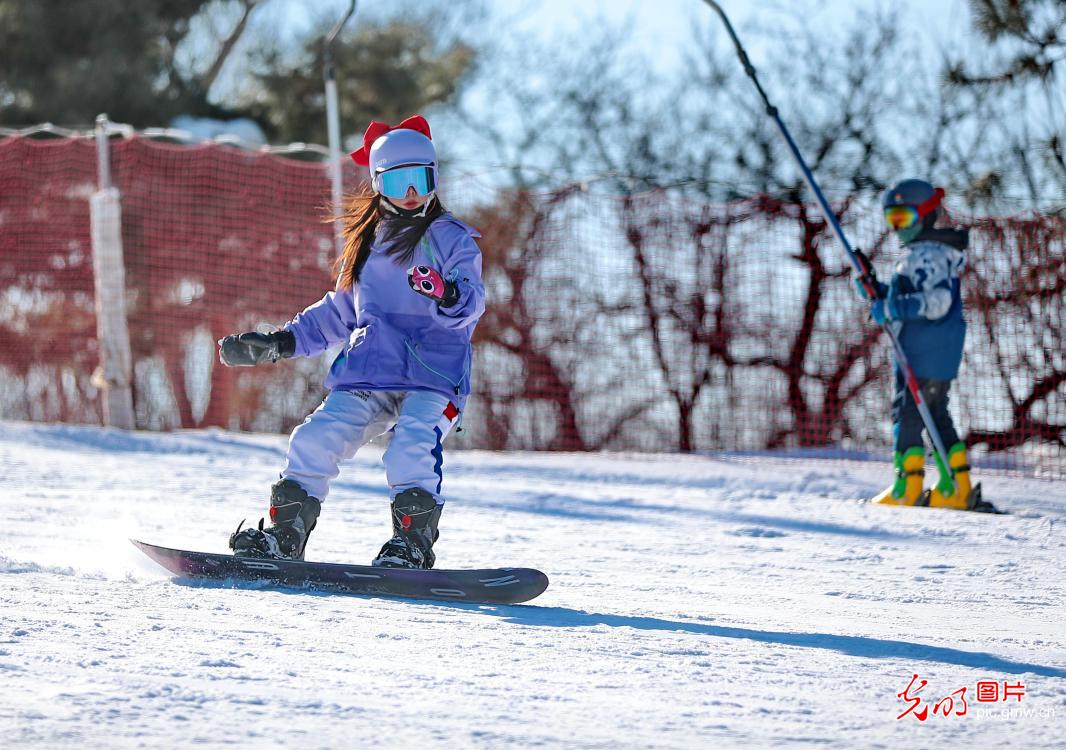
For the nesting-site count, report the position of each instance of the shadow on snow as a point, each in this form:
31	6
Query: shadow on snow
563	617
851	645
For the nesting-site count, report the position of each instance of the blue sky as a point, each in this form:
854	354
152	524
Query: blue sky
663	20
663	25
660	30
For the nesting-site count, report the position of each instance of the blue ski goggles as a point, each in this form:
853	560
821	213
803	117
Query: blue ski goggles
395	182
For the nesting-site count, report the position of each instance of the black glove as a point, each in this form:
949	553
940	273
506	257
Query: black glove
247	349
868	276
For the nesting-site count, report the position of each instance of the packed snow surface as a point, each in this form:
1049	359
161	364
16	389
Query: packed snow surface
695	602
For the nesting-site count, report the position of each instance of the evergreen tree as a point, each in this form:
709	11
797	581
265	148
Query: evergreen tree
143	63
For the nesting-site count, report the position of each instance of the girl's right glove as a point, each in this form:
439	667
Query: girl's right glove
429	283
247	349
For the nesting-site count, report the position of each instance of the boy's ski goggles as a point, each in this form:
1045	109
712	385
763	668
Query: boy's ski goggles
902	217
395	182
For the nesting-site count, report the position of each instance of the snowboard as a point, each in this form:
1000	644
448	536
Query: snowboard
487	586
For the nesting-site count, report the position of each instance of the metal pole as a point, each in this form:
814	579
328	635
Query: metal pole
853	257
103	156
114	375
333	127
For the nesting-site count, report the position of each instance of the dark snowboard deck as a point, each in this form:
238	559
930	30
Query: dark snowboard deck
487	586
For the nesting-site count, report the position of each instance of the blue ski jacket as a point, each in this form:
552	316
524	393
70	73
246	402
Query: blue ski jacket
394	338
926	302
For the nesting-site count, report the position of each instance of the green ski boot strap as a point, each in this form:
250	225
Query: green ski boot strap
946	479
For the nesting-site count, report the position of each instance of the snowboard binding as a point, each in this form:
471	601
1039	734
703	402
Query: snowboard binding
294	515
415	515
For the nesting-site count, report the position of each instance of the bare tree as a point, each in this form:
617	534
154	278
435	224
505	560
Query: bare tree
1018	297
514	327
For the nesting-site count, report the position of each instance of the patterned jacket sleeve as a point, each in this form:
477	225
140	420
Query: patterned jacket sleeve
460	263
327	322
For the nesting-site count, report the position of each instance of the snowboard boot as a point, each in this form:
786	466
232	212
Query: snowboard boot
415	515
910	476
960	494
293	514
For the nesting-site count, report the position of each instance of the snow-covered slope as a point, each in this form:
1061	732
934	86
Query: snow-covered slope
695	602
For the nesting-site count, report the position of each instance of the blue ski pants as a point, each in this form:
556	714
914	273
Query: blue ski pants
907	424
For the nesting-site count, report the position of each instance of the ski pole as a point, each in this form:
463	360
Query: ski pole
861	268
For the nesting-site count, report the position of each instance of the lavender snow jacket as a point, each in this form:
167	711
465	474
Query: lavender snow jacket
394	338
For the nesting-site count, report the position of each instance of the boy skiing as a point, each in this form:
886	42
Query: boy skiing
924	301
408	296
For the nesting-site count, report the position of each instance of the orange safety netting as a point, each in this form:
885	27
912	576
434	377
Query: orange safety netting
644	322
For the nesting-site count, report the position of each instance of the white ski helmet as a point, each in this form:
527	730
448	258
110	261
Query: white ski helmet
399	148
399	156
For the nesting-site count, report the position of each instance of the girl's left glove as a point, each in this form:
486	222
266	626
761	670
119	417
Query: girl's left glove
429	283
252	348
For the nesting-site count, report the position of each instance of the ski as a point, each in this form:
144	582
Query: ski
486	586
975	503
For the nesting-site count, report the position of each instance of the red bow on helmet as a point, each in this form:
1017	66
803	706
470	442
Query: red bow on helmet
377	129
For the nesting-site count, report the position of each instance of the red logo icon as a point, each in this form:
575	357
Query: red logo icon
988	691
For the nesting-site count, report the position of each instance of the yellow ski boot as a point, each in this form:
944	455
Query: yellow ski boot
947	495
910	476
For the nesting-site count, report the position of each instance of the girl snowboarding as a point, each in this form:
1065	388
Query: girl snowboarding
407	299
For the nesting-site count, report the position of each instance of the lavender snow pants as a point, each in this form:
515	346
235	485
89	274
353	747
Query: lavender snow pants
346	420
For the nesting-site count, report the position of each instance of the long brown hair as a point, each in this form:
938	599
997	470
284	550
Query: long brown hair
362	215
